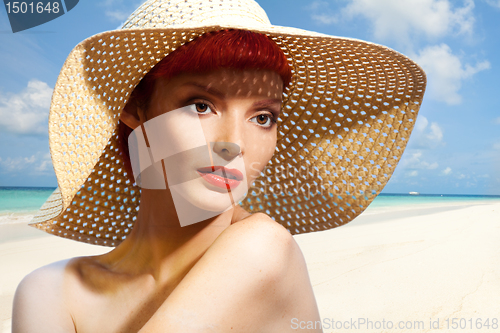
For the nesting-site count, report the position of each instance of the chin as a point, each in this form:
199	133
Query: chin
198	196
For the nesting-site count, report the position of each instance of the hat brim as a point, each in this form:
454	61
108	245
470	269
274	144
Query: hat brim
345	121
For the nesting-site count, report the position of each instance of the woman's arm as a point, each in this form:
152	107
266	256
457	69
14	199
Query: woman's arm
252	279
39	302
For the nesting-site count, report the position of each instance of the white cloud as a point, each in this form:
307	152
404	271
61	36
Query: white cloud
462	176
494	3
416	161
497	120
324	18
321	13
26	112
402	20
496	145
426	136
30	160
435	134
19	163
317	5
119	11
36	164
446	171
45	164
446	72
117	15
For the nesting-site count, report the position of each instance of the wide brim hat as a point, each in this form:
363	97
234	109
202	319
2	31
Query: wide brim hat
346	119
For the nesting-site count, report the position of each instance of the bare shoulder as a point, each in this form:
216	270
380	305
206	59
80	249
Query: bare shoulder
279	266
256	272
259	241
39	303
259	229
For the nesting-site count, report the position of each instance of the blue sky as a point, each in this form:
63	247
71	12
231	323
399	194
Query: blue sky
454	149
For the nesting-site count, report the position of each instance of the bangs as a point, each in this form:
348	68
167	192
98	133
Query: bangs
237	49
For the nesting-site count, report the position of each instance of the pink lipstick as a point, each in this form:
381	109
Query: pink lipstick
221	177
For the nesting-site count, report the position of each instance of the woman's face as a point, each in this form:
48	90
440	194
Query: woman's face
219	129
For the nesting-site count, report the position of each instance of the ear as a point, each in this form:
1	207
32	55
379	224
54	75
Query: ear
130	117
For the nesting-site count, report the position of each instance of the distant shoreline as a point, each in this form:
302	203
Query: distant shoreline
19	201
29	187
440	195
381	194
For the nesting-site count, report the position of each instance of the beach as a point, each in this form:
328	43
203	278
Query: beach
415	265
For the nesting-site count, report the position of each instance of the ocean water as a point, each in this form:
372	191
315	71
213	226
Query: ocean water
397	199
19	204
394	202
23	199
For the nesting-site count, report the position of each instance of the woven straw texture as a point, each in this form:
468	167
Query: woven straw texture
344	124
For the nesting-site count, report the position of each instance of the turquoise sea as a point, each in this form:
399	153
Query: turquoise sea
18	204
397	199
23	200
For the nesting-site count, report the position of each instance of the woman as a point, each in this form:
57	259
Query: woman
191	258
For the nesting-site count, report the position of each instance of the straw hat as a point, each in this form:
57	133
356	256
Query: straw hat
344	124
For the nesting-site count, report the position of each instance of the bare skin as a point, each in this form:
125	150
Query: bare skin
235	272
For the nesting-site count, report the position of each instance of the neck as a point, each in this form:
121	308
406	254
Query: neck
158	245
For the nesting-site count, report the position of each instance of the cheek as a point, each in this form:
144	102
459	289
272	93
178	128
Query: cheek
259	152
174	132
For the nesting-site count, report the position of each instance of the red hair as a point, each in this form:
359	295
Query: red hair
237	49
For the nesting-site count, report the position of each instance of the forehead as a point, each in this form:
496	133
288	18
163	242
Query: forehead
232	82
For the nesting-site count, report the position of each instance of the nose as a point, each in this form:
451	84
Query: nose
227	135
227	150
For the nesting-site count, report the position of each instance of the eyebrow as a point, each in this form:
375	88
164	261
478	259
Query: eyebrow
267	102
213	91
208	89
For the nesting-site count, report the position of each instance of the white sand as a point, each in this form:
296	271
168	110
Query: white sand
28	249
409	265
442	265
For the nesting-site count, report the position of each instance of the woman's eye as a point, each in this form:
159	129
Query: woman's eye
263	120
200	108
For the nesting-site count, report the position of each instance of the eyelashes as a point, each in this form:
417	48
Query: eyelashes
265	120
200	108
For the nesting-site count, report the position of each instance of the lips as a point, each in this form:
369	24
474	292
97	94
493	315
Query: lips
221	177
